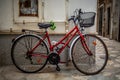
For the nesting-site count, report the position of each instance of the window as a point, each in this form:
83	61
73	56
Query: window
27	11
28	7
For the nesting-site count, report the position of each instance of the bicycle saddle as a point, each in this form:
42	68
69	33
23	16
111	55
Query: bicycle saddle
44	25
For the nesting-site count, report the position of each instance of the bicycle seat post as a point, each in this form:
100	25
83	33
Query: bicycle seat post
45	30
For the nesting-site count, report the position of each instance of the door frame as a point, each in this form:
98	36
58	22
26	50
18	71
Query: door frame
100	29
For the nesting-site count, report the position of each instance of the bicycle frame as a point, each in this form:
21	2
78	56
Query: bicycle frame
72	33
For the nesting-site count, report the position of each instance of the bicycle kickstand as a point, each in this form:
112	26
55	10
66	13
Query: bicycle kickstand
57	68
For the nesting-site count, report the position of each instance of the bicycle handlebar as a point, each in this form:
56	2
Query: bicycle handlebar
72	18
76	16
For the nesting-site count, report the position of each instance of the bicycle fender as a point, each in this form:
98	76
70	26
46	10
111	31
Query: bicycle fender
16	38
70	51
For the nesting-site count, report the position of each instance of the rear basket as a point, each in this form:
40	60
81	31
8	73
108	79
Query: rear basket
87	19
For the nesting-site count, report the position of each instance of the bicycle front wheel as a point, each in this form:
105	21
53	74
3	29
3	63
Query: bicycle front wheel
25	61
88	64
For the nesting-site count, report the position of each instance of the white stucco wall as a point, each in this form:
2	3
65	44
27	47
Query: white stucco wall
86	6
7	13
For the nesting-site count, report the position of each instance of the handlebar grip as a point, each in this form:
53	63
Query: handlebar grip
70	19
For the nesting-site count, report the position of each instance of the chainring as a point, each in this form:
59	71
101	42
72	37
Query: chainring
54	58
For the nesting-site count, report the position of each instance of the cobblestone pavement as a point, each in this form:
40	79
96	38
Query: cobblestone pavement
111	71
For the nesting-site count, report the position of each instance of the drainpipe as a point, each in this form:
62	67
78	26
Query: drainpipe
11	29
66	30
43	6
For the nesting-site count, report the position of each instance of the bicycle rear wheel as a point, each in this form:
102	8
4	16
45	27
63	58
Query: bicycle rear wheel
25	61
85	63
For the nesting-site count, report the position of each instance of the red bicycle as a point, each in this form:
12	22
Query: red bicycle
31	52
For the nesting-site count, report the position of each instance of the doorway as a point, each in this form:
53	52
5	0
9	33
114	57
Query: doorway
100	21
108	21
119	31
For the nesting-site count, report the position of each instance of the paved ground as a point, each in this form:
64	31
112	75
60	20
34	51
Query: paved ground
111	72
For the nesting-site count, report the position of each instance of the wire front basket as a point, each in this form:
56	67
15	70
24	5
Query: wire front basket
87	19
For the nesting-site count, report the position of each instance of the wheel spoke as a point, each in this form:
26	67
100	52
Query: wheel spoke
26	45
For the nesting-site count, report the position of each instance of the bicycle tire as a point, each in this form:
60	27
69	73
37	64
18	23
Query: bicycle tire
82	61
18	59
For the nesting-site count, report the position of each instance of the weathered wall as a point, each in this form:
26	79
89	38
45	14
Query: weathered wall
6	14
116	16
114	6
9	17
8	11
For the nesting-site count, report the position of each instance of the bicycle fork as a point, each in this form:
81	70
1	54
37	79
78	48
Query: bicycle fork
85	46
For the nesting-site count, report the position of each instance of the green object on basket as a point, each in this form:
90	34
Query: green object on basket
53	26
